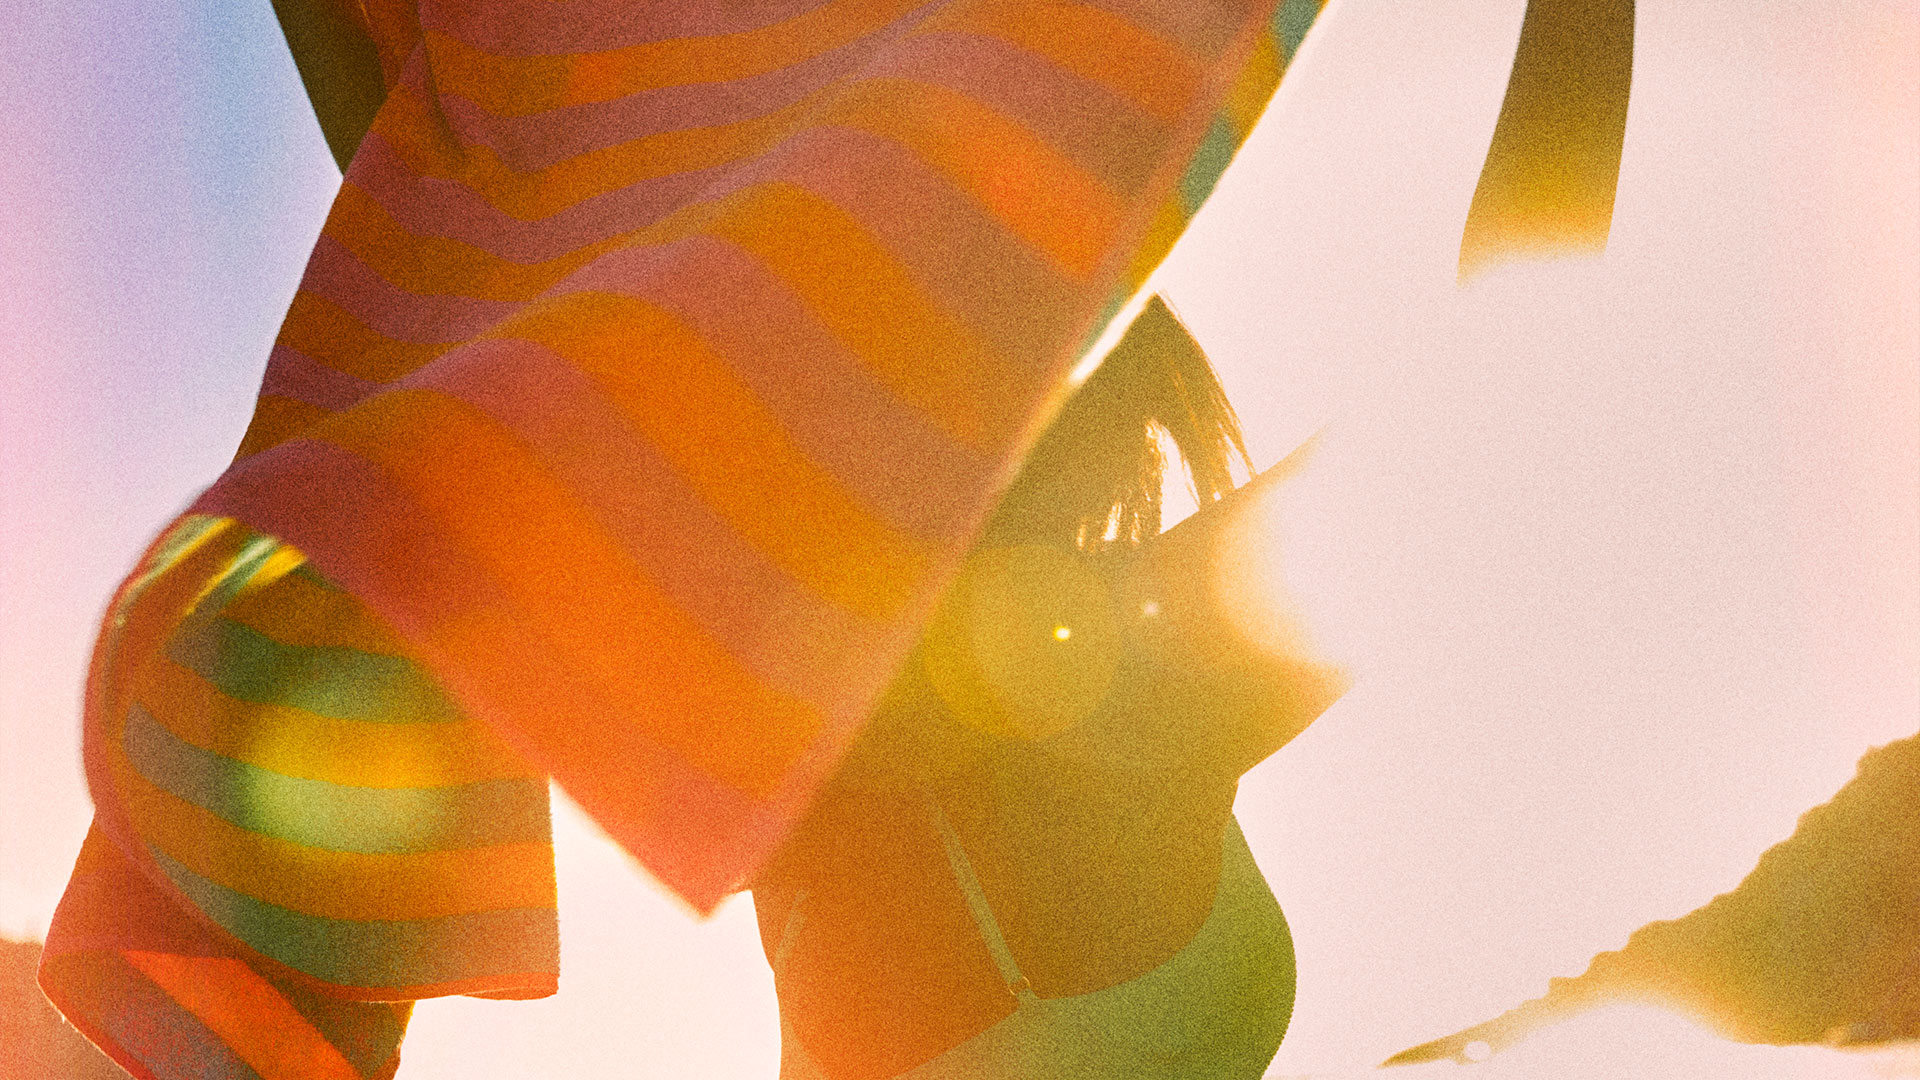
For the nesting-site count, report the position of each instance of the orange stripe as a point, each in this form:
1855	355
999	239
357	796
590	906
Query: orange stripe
296	743
856	288
519	86
1259	77
275	420
336	884
540	193
1035	191
1154	74
723	442
436	265
417	129
246	1013
330	334
575	588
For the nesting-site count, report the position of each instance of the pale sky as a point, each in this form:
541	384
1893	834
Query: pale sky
1624	552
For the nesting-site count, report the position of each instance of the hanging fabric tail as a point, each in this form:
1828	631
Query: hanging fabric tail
1547	187
654	367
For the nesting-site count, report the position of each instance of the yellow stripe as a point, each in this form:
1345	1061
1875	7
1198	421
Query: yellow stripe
298	610
1168	223
336	884
297	743
141	624
1254	87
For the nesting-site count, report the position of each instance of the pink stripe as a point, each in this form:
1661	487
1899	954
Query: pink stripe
586	26
972	266
115	904
1204	28
536	141
294	374
561	27
893	461
790	638
426	206
367	535
1094	128
337	275
363	533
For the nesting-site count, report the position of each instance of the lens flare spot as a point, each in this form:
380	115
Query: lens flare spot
992	648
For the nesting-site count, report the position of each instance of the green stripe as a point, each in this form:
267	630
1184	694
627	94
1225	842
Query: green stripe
337	817
1291	21
330	681
168	550
1209	162
367	1033
307	573
380	954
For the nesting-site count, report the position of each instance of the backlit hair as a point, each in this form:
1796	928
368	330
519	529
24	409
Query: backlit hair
1093	479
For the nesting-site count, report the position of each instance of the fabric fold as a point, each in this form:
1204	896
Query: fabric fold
296	832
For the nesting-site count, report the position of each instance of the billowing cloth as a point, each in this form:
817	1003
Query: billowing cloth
657	361
654	367
1818	944
324	835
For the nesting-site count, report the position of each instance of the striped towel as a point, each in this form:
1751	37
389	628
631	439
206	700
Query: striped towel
654	367
656	362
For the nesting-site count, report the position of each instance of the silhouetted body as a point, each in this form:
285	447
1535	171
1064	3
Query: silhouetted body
1028	865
